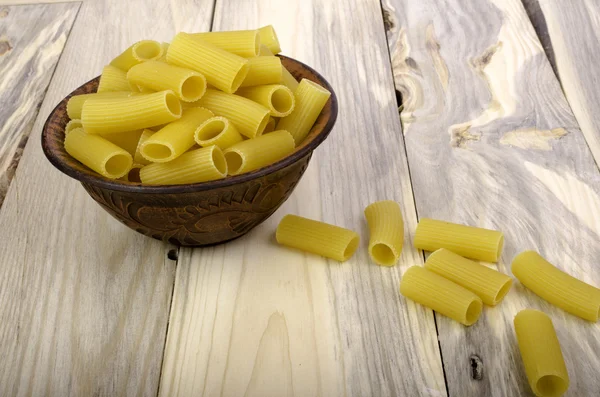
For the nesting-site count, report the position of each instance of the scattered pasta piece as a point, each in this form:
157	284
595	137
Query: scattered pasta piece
387	232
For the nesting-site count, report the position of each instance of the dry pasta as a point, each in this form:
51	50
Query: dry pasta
222	69
137	157
490	285
317	237
108	116
106	158
270	127
541	354
440	294
217	131
263	70
145	50
470	242
165	48
256	153
268	37
125	140
286	77
556	286
175	138
187	84
386	228
276	97
310	101
75	103
72	124
113	79
245	43
249	117
134	174
200	165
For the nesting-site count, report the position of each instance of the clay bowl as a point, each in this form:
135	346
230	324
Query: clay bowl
201	213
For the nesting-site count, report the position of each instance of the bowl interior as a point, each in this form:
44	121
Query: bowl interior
53	142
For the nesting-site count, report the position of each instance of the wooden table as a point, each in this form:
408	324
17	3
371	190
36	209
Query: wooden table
485	136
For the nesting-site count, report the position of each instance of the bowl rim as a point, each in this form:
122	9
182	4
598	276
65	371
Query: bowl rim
123	186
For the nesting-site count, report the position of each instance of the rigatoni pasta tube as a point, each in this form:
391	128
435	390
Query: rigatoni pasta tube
270	127
556	286
540	350
134	174
440	294
222	69
187	84
108	116
263	70
97	153
249	117
256	153
72	124
145	50
317	237
490	285
113	79
286	77
165	48
137	157
125	140
217	131
268	37
245	43
310	101
75	103
470	242
386	228
276	97
175	138
199	165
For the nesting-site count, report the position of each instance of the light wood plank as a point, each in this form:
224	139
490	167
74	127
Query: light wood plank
33	2
252	318
570	33
85	300
492	142
31	40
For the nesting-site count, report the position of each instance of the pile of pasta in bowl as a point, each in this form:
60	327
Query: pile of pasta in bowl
205	106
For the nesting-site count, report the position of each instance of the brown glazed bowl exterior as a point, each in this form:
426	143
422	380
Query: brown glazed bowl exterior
201	213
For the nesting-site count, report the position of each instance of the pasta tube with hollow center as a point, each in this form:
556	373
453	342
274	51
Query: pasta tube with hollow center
386	227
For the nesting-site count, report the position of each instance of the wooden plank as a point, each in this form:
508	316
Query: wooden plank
256	319
85	300
569	32
31	40
33	2
492	142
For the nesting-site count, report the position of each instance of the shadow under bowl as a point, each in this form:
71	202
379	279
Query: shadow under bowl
195	214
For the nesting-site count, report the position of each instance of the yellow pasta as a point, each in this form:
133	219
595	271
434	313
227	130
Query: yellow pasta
317	237
75	103
134	174
145	50
200	165
556	286
108	116
245	43
249	117
137	157
187	84
386	228
113	79
268	37
470	242
165	48
256	153
286	77
222	69
97	153
263	70
175	138
276	97
72	124
270	127
490	285
542	357
125	140
310	101
217	131
442	295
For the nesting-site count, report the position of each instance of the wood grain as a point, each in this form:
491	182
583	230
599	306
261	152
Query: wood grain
85	300
492	142
256	319
570	32
31	40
